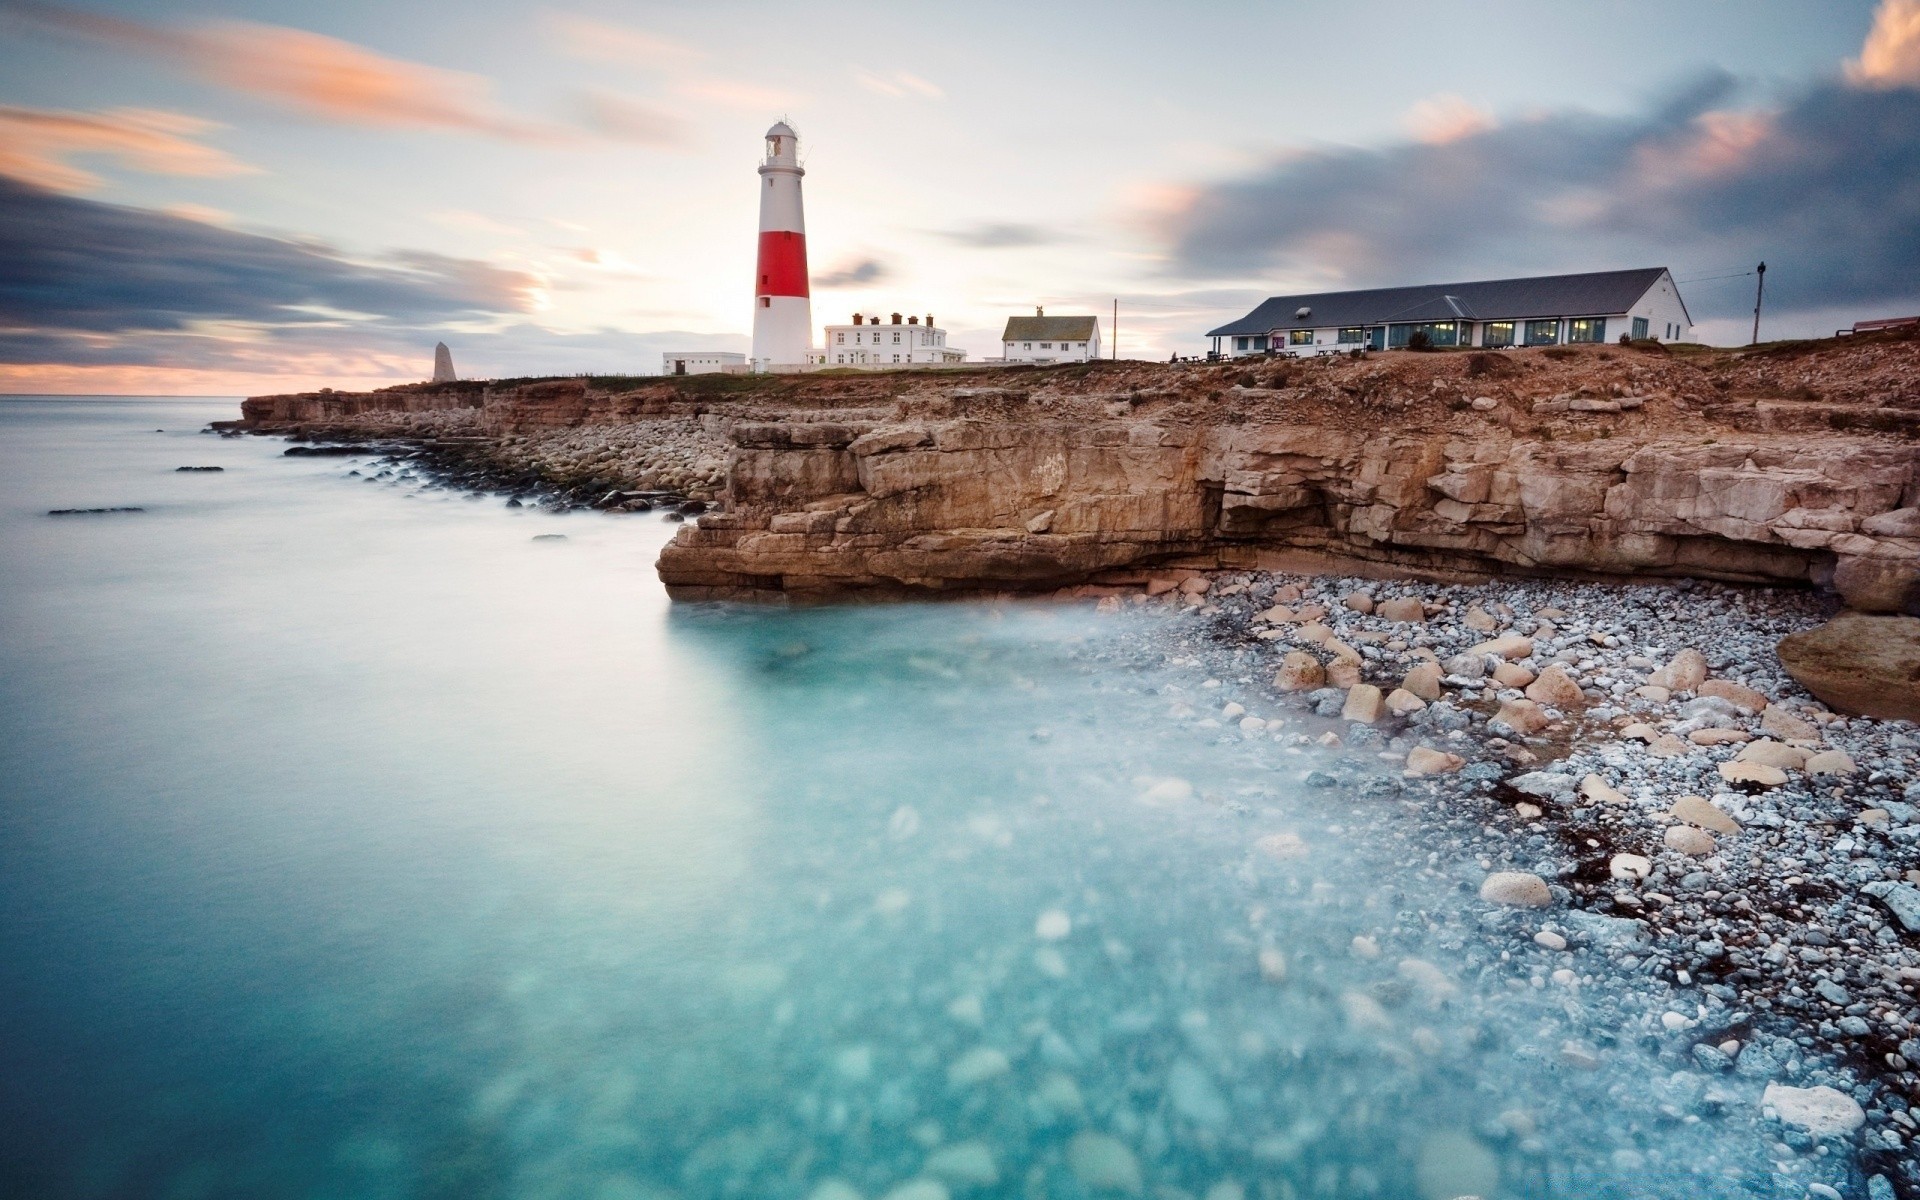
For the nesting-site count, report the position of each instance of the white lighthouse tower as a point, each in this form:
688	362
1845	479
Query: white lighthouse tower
782	312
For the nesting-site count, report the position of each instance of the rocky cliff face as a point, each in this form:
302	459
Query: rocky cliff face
1597	462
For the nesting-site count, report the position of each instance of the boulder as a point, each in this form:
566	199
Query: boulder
1738	695
1831	762
1359	602
1512	675
1782	724
1773	754
1600	791
1511	646
1299	672
1629	866
1516	889
1820	1111
1401	702
1520	718
1422	760
1364	704
1698	810
1557	689
1696	843
1424	681
1860	664
1402	608
1901	899
1686	672
1343	673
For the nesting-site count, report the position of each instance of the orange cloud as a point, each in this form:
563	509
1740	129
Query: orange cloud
1891	55
38	145
310	73
1445	118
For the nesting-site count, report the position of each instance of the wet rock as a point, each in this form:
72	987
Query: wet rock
1104	1163
1195	1096
1401	702
1299	672
1422	760
1452	1164
1052	925
1557	689
977	1066
1821	1111
1364	704
1901	899
919	1189
1516	889
963	1164
1423	681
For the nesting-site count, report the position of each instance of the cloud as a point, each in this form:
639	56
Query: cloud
897	84
1001	236
628	120
310	73
1825	185
602	41
82	275
1891	55
38	145
1446	118
866	270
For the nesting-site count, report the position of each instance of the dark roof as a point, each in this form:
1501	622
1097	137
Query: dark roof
1050	329
1596	294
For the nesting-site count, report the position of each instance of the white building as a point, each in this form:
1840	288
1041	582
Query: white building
1546	310
701	362
1044	339
870	343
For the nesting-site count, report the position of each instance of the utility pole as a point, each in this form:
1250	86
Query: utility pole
1759	294
1116	329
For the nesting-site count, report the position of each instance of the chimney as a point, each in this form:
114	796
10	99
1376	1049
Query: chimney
1038	311
929	319
913	320
896	318
856	318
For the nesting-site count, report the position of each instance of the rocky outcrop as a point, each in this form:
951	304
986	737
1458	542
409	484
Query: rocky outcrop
983	492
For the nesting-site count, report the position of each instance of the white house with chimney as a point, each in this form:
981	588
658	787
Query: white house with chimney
895	342
1044	339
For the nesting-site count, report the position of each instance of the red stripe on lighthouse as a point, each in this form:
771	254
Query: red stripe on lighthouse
783	264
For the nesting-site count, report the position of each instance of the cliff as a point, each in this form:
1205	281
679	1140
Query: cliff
1795	466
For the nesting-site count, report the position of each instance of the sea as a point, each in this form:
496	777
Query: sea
361	837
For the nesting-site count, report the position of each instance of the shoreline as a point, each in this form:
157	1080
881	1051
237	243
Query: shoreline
1609	858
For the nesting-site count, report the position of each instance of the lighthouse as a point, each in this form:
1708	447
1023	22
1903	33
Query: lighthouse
782	313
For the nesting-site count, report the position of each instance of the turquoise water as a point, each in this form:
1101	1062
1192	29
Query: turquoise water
357	844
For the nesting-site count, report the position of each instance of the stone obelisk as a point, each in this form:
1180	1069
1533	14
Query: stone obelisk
443	364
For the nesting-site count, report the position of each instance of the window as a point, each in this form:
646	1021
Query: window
1300	337
896	339
1439	333
896	358
1029	345
1639	329
841	338
1543	333
839	358
766	302
1498	333
1352	335
1587	329
1046	345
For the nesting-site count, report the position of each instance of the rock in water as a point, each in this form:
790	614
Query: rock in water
1195	1096
1860	664
1104	1164
1452	1165
968	1164
1821	1111
977	1066
1518	889
443	364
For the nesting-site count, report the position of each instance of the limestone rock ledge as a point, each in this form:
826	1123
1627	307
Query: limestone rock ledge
987	494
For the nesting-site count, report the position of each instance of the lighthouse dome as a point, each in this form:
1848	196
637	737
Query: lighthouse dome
782	129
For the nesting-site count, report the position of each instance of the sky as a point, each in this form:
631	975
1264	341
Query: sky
264	196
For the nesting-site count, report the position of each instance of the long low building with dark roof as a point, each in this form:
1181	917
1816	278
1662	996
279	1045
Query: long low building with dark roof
1546	310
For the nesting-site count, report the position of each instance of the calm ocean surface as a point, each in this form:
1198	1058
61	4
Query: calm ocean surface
355	844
